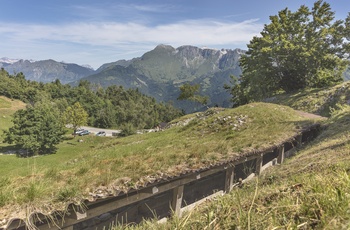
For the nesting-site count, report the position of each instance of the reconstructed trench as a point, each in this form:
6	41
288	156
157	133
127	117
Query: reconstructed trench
166	197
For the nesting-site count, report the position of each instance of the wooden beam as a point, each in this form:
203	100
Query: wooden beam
259	162
280	157
177	200
229	179
299	139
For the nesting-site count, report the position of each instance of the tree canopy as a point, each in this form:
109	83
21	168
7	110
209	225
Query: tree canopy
297	50
37	129
76	116
190	92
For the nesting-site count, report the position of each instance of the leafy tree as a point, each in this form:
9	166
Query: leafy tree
37	129
105	117
190	92
76	116
296	50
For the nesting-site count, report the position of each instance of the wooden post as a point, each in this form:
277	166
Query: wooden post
259	162
299	139
177	199
229	179
280	157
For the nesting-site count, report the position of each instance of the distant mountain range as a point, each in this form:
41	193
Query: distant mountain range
47	70
161	71
158	73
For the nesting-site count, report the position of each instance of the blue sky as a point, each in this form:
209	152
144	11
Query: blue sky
102	31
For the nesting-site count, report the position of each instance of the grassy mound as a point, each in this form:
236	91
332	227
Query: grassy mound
318	101
192	142
309	191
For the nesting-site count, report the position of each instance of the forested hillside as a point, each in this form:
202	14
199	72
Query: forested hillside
111	107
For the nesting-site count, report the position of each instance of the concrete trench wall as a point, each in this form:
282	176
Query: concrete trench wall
168	198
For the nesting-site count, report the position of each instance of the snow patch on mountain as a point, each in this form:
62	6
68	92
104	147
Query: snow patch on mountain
8	60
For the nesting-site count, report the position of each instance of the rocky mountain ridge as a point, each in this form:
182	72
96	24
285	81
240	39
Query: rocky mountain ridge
161	71
46	70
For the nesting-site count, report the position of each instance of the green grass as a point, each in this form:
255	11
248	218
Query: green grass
311	190
308	191
80	167
318	101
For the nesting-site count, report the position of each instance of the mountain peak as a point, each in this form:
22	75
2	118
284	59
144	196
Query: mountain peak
162	46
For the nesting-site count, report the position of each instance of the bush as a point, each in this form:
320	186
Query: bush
127	130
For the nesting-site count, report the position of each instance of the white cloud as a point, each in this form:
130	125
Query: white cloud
112	34
152	8
99	37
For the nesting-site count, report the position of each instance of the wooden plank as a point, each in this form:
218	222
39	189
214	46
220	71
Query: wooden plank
245	159
299	139
229	179
280	157
259	161
177	200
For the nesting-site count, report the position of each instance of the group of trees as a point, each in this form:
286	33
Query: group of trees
297	50
52	105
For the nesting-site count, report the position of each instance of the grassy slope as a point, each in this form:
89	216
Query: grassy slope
310	190
319	101
80	167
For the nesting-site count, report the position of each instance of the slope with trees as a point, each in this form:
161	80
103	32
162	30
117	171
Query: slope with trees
39	128
160	73
297	50
106	108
